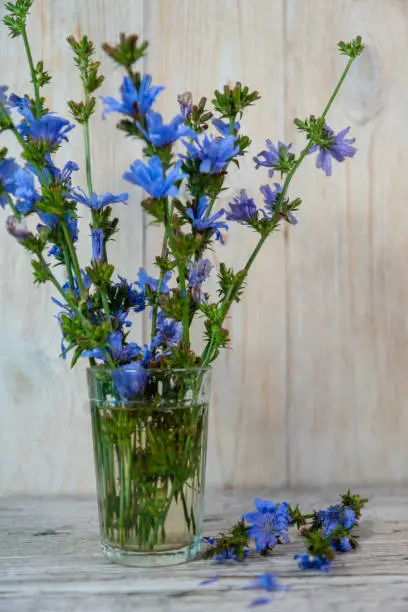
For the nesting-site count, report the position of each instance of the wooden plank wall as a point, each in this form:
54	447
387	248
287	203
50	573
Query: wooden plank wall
314	389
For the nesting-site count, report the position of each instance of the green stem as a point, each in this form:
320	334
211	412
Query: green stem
106	307
33	74
73	257
68	266
159	286
181	274
207	353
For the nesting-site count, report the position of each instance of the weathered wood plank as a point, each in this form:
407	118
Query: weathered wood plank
346	340
45	437
64	571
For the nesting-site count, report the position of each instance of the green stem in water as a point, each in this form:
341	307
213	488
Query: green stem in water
33	74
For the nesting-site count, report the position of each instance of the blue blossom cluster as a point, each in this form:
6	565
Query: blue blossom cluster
183	174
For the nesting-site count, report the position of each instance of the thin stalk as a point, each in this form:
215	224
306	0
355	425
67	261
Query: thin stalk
207	353
73	257
68	266
181	274
159	286
33	74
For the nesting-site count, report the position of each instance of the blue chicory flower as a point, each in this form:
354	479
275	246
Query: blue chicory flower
97	244
309	562
185	101
136	299
48	129
134	101
25	192
270	523
117	350
161	134
97	202
243	209
8	171
130	380
342	544
213	153
169	332
144	279
336	516
267	582
271	156
337	148
152	179
64	176
271	198
198	274
18	230
223	127
203	223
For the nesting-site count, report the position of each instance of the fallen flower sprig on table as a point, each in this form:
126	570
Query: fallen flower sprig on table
326	532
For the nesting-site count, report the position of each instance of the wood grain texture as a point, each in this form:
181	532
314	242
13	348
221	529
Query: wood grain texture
204	45
347	386
45	436
50	562
314	389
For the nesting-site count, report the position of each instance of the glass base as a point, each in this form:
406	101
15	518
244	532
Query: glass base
151	559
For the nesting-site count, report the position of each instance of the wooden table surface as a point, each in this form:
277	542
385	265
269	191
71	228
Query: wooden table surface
50	561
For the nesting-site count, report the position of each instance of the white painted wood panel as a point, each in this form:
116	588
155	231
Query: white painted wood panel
314	389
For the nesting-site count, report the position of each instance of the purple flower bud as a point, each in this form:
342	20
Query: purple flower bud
18	230
97	245
185	101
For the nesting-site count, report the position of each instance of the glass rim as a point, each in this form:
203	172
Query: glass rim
191	369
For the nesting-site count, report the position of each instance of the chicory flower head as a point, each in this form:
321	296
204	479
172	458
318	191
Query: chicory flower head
152	179
169	332
130	380
49	129
97	244
135	299
242	208
144	279
342	544
161	134
198	274
8	170
213	153
223	127
203	223
134	101
97	202
270	523
336	516
25	192
271	200
17	230
334	146
185	101
117	350
271	156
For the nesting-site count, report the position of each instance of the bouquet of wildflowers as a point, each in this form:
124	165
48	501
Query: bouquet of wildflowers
183	174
